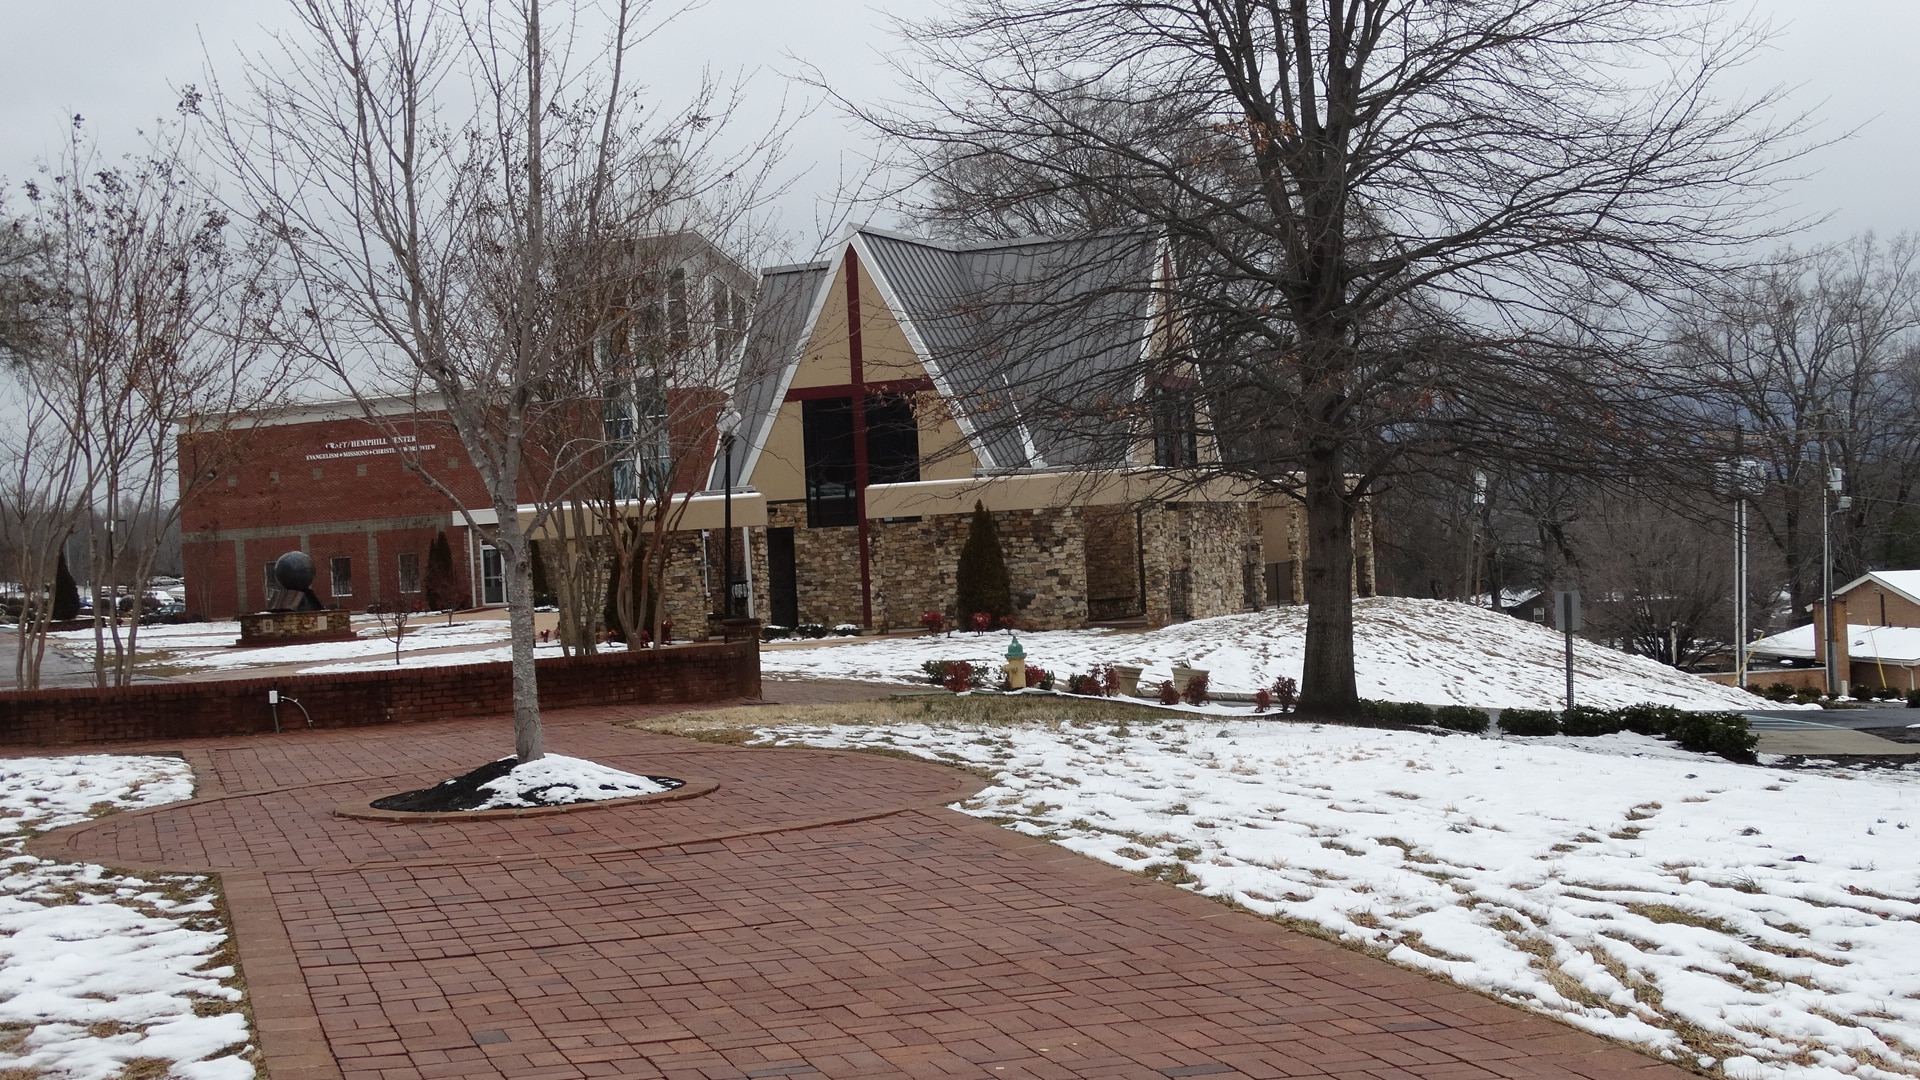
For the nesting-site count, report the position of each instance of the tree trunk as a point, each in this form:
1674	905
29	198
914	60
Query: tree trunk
1326	670
515	552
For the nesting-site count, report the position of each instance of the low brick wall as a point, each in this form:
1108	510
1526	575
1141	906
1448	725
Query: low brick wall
160	711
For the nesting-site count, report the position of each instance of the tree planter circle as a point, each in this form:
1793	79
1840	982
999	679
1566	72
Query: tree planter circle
364	810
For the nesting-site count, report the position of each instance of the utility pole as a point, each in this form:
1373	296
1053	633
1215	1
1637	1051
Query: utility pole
1831	484
1740	474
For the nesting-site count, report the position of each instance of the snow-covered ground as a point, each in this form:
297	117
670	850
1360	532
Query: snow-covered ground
209	647
1431	651
1763	922
99	969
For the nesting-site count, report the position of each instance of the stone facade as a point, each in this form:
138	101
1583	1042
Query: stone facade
1113	562
1067	565
295	627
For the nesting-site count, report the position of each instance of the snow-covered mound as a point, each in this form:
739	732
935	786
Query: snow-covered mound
554	780
1432	651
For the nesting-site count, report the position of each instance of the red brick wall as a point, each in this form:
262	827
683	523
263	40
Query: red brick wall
331	482
165	711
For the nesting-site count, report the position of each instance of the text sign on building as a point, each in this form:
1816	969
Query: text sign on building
353	448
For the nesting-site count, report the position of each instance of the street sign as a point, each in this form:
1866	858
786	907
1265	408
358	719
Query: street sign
1566	612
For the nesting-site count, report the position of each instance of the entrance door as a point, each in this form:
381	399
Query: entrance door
493	576
783	596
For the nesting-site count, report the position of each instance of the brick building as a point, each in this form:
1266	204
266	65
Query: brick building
882	396
870	410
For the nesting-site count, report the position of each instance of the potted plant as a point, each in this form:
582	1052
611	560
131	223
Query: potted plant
1182	674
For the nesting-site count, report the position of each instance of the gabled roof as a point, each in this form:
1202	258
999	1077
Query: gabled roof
1903	583
1887	644
999	327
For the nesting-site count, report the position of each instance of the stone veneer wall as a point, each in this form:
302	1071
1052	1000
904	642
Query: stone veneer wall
1113	569
1218	535
685	599
826	566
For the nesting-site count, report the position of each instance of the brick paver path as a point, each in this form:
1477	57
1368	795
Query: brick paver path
818	915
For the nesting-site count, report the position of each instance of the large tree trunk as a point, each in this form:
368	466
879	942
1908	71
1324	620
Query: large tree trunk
515	552
1326	670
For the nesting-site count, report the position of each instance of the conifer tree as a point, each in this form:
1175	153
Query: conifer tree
983	584
441	588
66	594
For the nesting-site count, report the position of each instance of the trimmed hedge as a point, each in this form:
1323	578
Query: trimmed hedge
1723	733
1395	712
1530	721
1587	721
1651	719
1461	718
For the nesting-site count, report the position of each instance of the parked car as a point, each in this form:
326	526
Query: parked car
173	611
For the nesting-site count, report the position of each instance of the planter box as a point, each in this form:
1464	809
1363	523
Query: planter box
1128	678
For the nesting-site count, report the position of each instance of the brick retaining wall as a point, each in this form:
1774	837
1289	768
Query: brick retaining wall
681	673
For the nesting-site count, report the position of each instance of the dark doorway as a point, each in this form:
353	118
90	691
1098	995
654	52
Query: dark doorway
783	595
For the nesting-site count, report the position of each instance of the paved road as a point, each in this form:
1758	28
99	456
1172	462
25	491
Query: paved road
818	915
56	669
1846	719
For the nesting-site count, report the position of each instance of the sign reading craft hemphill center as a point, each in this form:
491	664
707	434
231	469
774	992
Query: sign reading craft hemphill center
352	448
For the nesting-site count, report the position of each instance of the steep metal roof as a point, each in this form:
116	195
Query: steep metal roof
784	309
1010	331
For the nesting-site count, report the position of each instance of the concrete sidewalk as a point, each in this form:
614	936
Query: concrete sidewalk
819	914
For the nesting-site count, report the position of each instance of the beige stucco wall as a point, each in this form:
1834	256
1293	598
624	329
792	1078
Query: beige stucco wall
886	356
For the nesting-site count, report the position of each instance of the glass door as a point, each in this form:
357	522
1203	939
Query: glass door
493	576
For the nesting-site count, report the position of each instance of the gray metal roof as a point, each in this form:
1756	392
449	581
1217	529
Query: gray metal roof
1025	334
782	318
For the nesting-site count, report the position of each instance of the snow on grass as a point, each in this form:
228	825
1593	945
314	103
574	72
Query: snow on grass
499	655
1431	651
100	969
556	779
1756	921
375	644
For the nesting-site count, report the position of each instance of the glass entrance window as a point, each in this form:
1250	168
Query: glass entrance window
493	576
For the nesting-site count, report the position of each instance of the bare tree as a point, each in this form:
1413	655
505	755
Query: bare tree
1815	358
148	321
1397	229
458	187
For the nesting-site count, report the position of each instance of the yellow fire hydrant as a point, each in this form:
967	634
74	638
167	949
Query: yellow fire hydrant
1016	667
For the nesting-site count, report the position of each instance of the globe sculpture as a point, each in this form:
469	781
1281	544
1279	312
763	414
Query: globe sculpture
294	572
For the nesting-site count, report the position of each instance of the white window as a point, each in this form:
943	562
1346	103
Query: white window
342	575
409	572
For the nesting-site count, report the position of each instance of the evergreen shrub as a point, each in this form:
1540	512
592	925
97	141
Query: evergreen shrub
1395	712
1461	718
441	587
1585	720
1530	722
983	586
1723	733
66	593
1650	719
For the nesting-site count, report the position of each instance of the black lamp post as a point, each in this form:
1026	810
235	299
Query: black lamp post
726	530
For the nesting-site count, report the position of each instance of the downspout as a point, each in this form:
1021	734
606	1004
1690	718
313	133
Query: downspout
857	375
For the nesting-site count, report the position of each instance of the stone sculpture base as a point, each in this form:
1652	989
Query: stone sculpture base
294	628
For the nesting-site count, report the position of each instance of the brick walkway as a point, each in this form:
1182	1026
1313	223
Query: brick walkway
818	915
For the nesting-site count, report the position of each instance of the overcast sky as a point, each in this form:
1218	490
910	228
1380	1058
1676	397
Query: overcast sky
117	61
